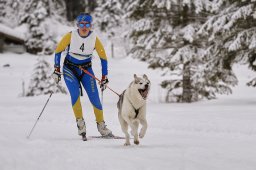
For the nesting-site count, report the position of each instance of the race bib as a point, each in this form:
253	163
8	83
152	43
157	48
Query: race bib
80	45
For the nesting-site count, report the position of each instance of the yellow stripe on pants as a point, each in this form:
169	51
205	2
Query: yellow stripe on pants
77	108
98	114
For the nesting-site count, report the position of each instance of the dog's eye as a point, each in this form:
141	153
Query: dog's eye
141	83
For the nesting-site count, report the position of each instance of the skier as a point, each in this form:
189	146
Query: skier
80	44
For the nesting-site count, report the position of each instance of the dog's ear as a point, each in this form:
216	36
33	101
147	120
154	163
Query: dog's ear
136	79
145	76
135	76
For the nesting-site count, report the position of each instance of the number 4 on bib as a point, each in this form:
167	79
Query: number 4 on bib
82	47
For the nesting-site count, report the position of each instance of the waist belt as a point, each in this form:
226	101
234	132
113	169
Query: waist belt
72	66
83	65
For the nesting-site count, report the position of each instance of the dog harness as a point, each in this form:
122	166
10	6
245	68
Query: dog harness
120	102
137	112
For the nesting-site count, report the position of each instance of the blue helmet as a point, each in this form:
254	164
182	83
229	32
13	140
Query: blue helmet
84	17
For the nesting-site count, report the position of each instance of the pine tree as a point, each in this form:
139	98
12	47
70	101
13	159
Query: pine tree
36	13
232	36
9	10
39	15
109	18
41	81
57	10
109	15
37	18
164	34
2	12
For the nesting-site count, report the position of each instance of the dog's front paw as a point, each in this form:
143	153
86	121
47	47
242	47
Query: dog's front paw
136	142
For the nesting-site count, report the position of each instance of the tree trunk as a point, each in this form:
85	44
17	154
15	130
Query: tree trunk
1	44
112	50
75	7
186	94
90	5
69	6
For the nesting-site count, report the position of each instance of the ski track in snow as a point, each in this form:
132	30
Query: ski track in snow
207	135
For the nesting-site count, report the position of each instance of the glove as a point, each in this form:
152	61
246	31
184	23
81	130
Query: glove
103	83
56	75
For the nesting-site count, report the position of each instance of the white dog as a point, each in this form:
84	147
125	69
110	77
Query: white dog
132	108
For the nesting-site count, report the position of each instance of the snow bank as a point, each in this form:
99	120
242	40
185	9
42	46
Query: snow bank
11	32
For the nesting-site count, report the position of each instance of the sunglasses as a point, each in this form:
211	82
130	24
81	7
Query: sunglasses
82	25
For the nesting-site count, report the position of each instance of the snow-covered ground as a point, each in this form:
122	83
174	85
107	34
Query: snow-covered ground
207	135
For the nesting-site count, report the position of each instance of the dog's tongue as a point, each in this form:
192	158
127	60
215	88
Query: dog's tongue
144	93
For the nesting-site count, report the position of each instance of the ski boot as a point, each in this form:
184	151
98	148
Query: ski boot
81	128
104	131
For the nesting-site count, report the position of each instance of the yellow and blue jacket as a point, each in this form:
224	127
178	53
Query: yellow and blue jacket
65	44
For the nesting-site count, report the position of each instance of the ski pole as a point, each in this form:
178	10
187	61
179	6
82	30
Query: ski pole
40	115
102	97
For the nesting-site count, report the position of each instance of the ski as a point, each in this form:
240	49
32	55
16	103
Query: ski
106	137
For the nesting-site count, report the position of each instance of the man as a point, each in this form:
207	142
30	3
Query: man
80	44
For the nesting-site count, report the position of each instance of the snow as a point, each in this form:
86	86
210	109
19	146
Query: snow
9	31
188	33
213	135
